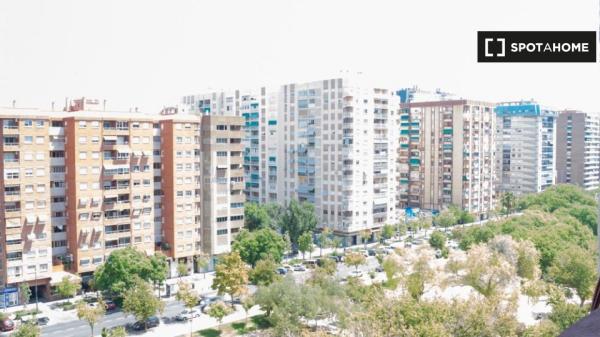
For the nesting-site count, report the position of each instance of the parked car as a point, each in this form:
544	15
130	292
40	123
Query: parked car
336	258
208	300
364	252
282	271
110	305
310	263
356	273
371	252
298	267
379	269
41	321
7	324
438	254
151	322
187	315
407	245
287	266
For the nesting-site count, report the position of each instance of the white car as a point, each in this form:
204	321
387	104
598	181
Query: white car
356	273
187	315
298	267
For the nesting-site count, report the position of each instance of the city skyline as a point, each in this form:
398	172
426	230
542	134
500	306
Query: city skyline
112	52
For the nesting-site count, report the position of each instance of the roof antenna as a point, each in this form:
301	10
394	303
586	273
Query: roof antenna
14	103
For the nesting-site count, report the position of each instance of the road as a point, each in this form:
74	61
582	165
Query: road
81	328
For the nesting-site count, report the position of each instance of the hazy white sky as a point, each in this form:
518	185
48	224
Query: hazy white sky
150	53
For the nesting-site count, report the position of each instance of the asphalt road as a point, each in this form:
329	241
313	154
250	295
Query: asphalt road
81	328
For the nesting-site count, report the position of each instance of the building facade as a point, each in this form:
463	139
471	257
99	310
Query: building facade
258	108
338	150
446	155
79	184
578	149
525	147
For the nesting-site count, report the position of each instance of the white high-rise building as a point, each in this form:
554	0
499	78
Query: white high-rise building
333	143
525	147
338	147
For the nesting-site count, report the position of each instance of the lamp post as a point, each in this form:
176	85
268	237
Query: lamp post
36	289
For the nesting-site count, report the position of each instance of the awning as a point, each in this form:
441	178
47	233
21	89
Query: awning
110	138
137	153
147	153
30	236
13	237
57	276
115	167
221	166
30	218
42	219
123	150
83	201
110	196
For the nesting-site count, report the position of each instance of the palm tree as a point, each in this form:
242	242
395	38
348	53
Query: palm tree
508	202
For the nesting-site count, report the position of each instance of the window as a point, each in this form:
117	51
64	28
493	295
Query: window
221	153
95	124
39	123
84	262
29	172
221	140
82	124
83	186
82	140
40	172
39	140
41	188
39	156
95	155
28	156
222	219
221	127
95	140
28	123
83	170
82	155
221	231
28	139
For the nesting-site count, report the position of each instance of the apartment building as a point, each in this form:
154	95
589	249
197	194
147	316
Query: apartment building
525	147
578	149
78	184
446	155
338	150
259	111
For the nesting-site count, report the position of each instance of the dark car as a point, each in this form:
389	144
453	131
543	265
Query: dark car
110	305
371	252
151	322
281	271
336	258
379	269
7	325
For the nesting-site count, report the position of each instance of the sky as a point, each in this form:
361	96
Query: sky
150	53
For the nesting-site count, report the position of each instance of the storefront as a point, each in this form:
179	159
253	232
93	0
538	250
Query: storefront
9	297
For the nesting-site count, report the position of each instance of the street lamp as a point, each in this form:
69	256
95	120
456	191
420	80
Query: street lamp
36	288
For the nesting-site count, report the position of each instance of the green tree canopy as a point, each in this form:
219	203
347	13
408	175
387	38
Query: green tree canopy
231	276
122	269
256	216
575	268
139	301
297	219
258	245
305	243
437	240
264	273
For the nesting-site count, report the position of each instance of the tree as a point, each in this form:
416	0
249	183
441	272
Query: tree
387	232
575	268
118	332
24	293
446	219
416	281
140	302
528	262
508	202
258	245
487	271
437	240
182	269
67	288
122	269
324	240
158	270
305	243
328	267
256	216
336	243
297	219
91	314
247	304
391	266
218	311
355	260
188	297
264	273
28	330
365	236
231	276
202	262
